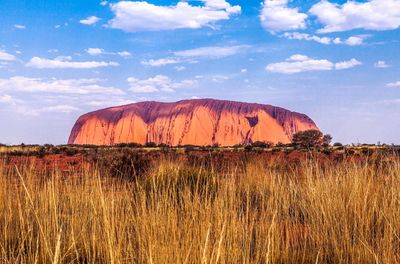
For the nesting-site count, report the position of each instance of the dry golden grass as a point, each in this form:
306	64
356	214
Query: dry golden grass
346	213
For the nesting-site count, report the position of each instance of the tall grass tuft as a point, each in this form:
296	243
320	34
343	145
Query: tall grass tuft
346	212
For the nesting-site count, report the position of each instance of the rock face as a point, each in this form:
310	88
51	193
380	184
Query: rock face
190	122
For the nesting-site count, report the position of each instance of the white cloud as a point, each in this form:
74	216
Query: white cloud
219	78
347	64
180	68
393	84
90	20
66	63
98	51
94	51
158	83
17	105
277	16
103	3
351	41
17	26
305	36
300	63
133	16
59	109
159	62
124	54
6	99
4	56
68	86
369	15
110	102
354	41
213	52
190	55
381	64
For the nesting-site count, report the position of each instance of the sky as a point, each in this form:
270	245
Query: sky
336	61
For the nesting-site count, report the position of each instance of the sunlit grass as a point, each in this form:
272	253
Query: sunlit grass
343	213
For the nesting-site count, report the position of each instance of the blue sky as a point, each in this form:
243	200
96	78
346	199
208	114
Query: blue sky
336	61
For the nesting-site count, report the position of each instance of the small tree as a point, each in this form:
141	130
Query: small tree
327	139
309	138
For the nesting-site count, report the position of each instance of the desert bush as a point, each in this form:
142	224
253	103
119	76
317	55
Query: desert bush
248	148
262	144
41	152
55	150
276	149
327	151
150	145
163	145
128	145
70	151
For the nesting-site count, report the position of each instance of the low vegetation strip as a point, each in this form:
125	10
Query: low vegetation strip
174	212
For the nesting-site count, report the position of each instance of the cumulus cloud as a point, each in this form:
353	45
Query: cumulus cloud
94	51
133	16
393	84
381	64
159	62
301	63
158	83
351	41
66	63
369	15
213	52
90	20
347	64
68	86
4	56
354	41
277	16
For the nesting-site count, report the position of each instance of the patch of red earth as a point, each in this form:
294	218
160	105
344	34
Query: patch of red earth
218	159
48	162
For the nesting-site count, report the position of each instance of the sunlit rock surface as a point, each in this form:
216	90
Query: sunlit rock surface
190	122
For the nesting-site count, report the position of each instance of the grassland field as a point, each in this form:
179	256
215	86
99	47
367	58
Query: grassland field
89	204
